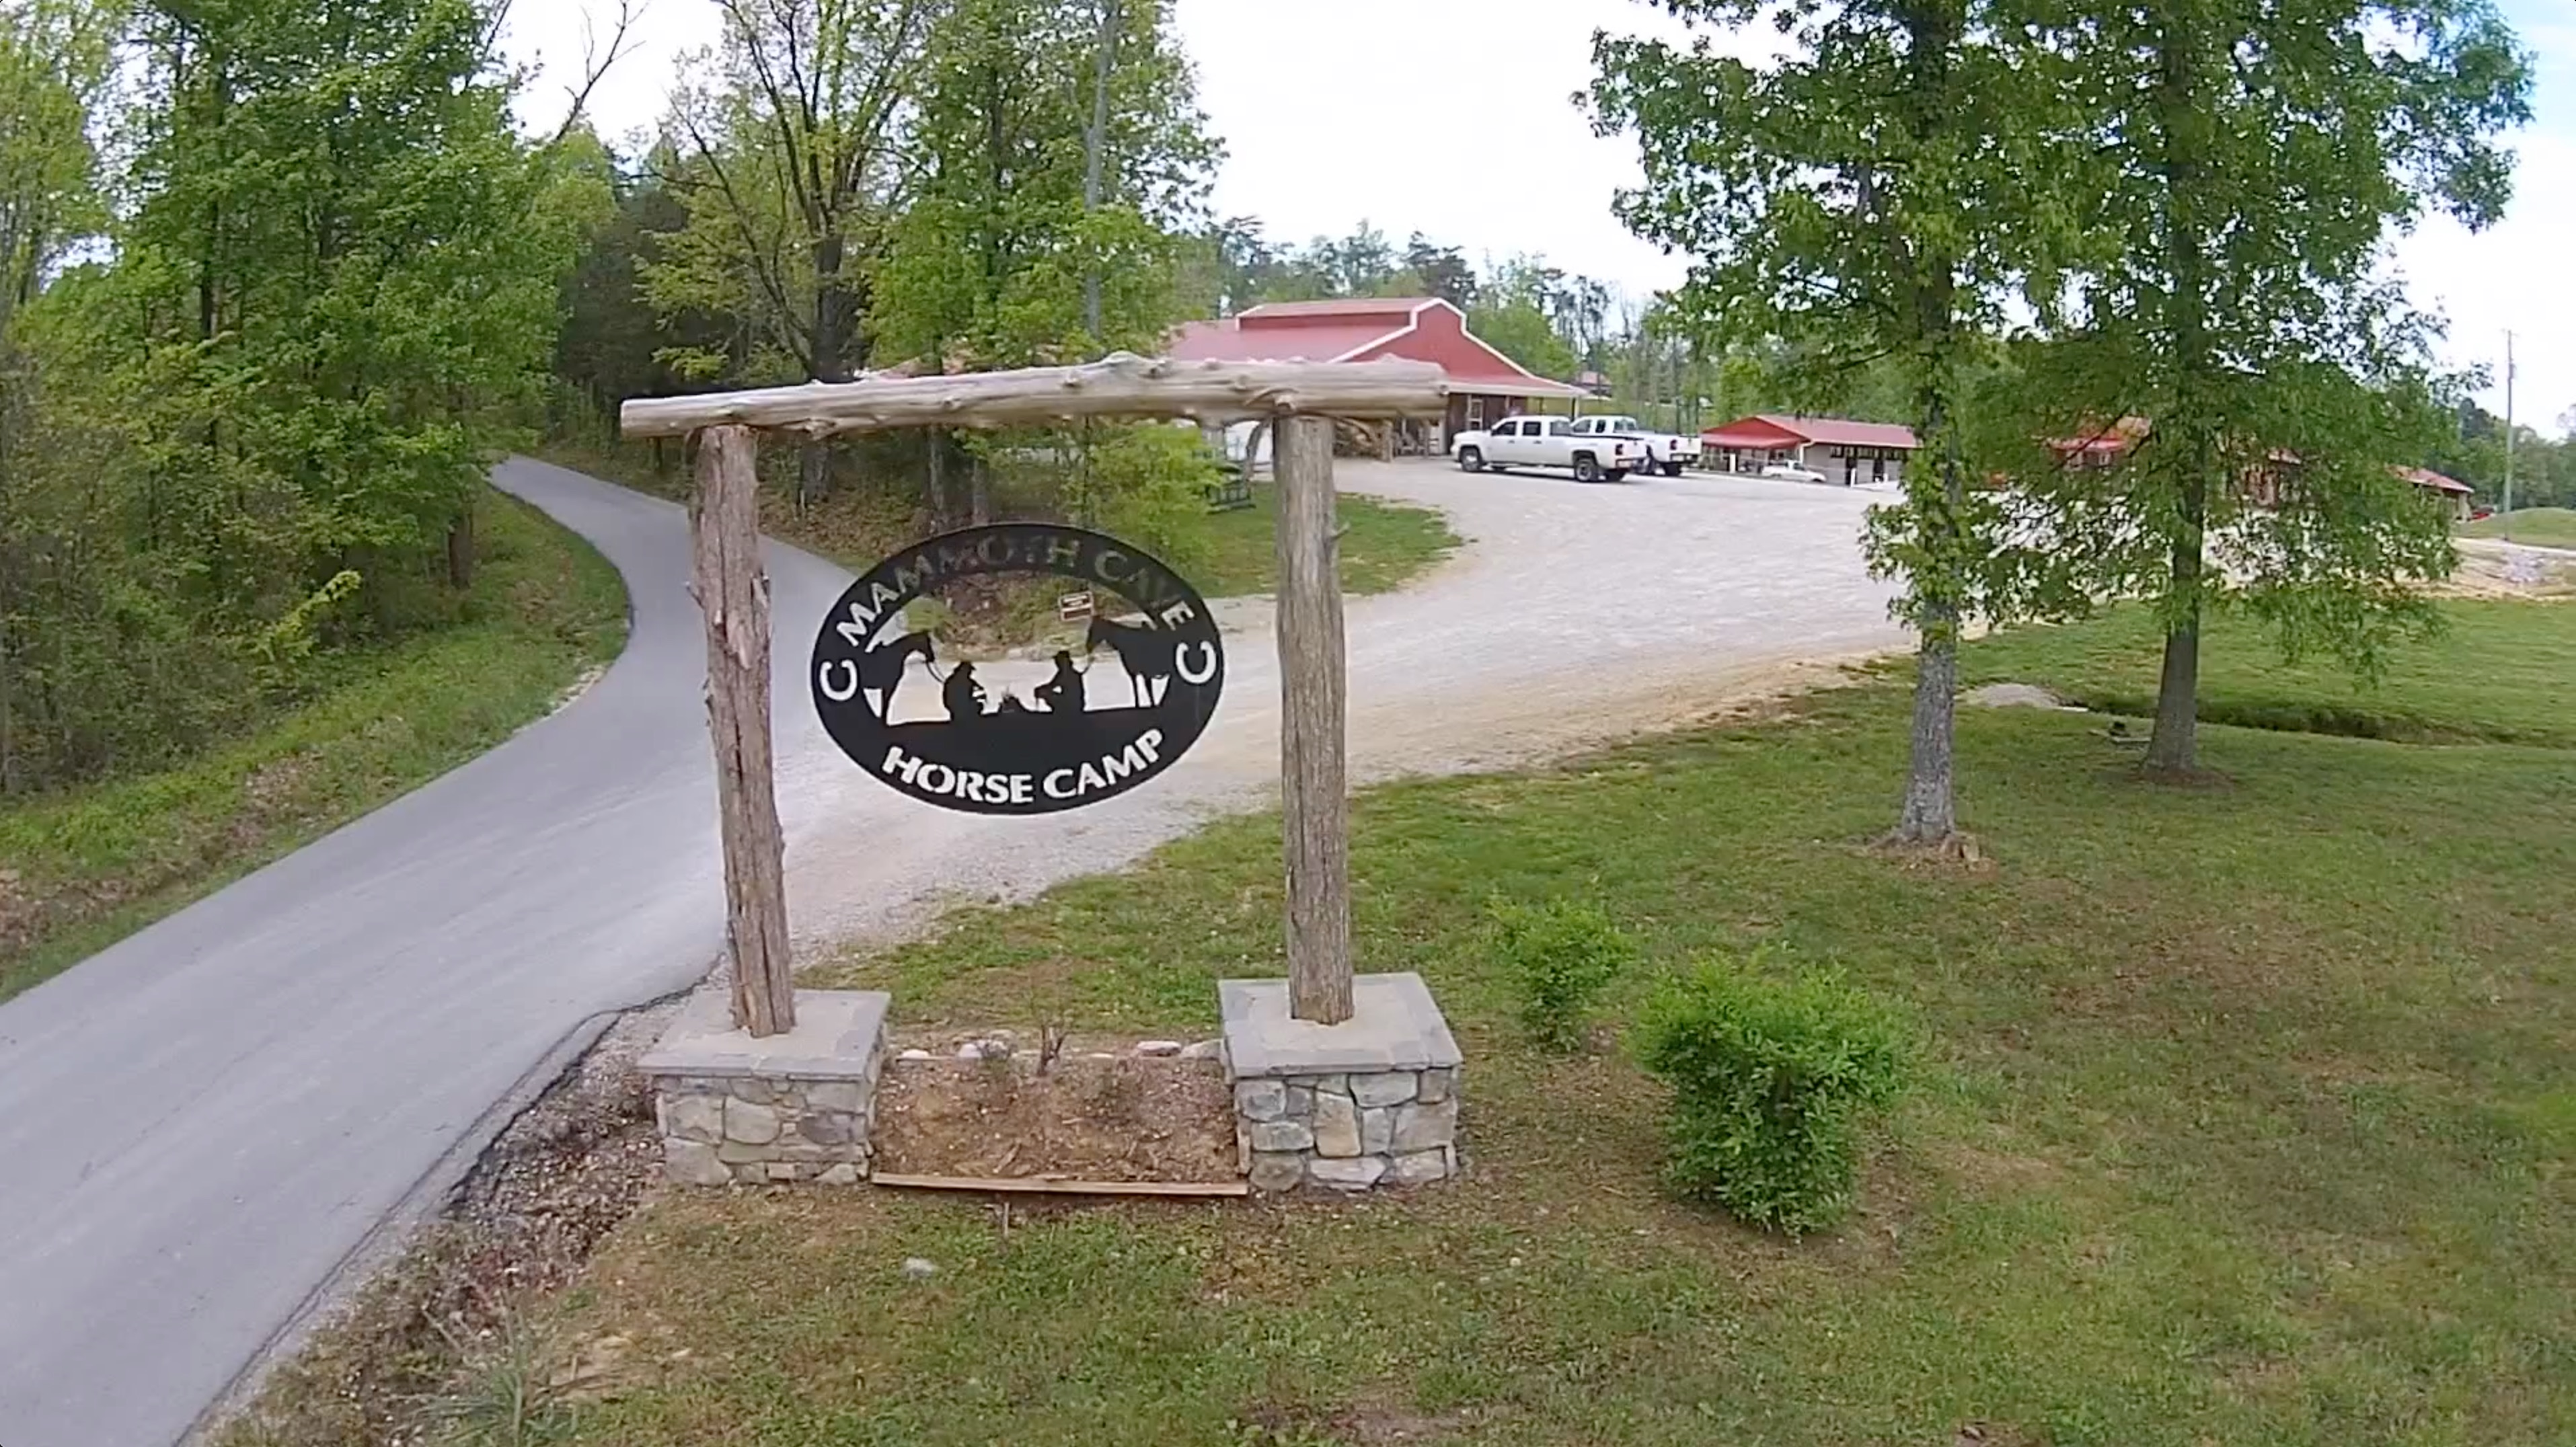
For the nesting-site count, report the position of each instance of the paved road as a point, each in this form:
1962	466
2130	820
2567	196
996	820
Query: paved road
201	1124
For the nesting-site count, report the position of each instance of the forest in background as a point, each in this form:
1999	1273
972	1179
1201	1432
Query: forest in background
282	280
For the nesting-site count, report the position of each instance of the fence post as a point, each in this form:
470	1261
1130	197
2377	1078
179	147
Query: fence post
1314	684
732	589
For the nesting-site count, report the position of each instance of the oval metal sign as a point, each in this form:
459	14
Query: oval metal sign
1073	726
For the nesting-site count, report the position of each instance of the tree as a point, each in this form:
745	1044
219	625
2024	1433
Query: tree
786	164
1514	311
251	420
1440	271
54	60
1013	250
1872	195
2251	158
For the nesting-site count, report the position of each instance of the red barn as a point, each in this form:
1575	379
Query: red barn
1842	450
1484	385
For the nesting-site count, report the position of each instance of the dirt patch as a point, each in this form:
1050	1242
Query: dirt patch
1089	1116
569	1169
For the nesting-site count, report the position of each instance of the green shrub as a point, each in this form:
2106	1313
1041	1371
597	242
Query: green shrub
1559	957
1772	1077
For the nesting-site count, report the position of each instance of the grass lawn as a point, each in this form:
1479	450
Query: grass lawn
93	865
1387	545
2241	1114
2499	672
2548	527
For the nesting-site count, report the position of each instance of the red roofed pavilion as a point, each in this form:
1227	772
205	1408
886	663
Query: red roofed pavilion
1484	385
1843	450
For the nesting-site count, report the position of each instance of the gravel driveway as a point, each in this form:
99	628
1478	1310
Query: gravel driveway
1575	615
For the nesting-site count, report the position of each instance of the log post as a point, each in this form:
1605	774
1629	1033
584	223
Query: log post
1313	682
732	589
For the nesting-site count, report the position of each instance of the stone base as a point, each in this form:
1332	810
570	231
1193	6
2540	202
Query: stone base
793	1107
1369	1102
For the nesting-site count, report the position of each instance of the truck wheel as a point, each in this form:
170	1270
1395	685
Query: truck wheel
1616	474
1673	467
1470	460
1587	468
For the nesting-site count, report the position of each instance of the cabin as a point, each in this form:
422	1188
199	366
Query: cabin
1484	385
2105	448
1839	449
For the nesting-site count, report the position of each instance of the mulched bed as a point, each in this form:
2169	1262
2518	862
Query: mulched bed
1092	1114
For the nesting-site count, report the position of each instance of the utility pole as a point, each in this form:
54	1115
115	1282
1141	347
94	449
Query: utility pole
2508	436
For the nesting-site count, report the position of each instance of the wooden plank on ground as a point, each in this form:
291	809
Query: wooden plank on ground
1047	1186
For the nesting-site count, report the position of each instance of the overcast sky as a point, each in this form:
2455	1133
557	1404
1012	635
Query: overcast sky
1454	118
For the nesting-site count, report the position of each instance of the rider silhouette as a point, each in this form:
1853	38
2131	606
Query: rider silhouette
1062	693
965	697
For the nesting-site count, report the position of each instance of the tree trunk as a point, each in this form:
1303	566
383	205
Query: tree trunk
1931	812
2193	442
813	472
732	589
938	479
1096	152
460	548
1313	682
2175	747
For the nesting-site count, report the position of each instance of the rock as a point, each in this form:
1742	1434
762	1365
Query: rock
1260	1099
1282	1135
1357	1174
784	1170
1421	1127
846	1096
984	1050
1395	1087
1204	1050
754	1089
1301	1102
1337	1126
1323	1084
2013	695
843	1174
826	1127
916	1055
1159	1049
1278	1172
755	1125
1436	1086
690	1163
920	1268
1377	1130
694	1118
1418	1168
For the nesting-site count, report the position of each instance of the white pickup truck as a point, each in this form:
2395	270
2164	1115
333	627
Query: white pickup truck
1548	442
1666	452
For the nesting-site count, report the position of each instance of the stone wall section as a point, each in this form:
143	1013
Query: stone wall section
750	1130
1348	1132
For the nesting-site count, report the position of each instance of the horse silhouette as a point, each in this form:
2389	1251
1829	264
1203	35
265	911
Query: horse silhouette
881	669
1145	651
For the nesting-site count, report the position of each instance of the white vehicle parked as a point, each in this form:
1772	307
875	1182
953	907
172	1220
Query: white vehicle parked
1792	472
1666	452
1548	442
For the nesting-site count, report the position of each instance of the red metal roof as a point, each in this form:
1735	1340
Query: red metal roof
1401	309
1771	429
1418	329
1226	341
2426	477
